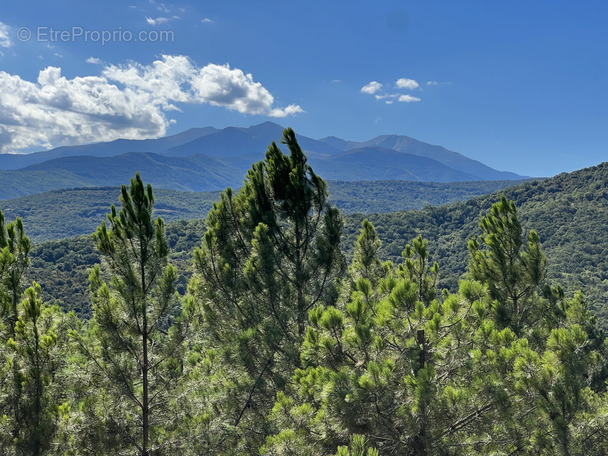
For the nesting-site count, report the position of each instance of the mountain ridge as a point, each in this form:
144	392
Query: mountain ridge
209	159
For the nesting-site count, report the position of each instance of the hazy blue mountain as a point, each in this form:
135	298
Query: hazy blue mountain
104	149
196	173
233	141
441	154
386	164
207	159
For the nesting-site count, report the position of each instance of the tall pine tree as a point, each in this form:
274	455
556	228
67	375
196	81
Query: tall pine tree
14	262
270	254
138	326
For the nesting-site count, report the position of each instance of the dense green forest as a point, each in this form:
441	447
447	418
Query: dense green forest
568	211
72	212
272	338
60	214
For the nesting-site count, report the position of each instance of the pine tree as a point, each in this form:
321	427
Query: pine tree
419	376
14	262
513	274
39	351
366	263
138	326
271	253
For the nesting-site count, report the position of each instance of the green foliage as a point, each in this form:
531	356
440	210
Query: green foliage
568	212
39	349
71	212
513	275
14	261
275	350
415	375
381	196
138	329
67	213
271	253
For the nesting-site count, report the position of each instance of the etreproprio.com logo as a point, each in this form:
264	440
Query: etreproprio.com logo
74	34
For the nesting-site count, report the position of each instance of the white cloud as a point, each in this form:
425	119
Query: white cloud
386	95
56	110
5	36
389	97
290	110
163	79
371	88
220	85
94	60
157	21
405	83
129	101
432	83
408	99
206	21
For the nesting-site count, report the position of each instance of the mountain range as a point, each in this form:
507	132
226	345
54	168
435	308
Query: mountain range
209	159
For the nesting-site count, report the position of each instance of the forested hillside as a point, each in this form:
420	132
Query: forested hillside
60	214
285	337
568	211
72	212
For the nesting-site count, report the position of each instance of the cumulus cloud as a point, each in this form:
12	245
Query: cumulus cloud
220	85
94	60
408	99
405	83
129	101
371	88
5	36
290	110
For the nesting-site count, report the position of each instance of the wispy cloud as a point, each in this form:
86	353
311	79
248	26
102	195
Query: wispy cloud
94	61
124	101
157	21
207	21
5	36
162	7
408	99
371	88
437	83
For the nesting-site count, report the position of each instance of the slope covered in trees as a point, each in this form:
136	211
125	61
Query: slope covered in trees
278	348
568	212
60	214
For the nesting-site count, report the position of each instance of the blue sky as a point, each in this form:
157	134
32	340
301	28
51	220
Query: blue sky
519	85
